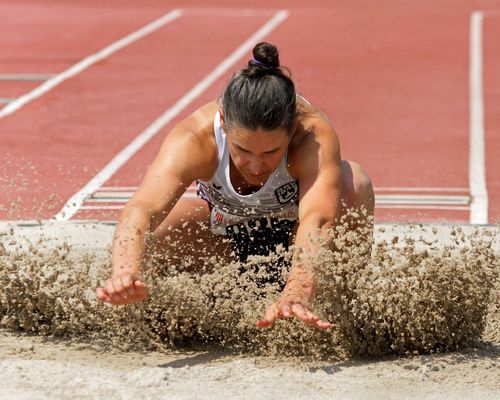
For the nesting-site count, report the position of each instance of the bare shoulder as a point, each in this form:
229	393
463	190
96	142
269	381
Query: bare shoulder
314	144
192	143
200	122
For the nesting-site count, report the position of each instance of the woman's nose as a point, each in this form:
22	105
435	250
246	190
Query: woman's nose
256	166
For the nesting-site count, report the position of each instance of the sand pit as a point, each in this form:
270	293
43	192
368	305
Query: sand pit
420	321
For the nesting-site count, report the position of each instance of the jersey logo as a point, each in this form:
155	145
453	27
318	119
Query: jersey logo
218	218
287	192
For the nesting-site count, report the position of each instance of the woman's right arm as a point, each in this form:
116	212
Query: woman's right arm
188	153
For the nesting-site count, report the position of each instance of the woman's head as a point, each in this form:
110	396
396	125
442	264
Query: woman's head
261	96
258	108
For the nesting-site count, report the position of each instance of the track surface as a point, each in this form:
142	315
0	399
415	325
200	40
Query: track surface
393	76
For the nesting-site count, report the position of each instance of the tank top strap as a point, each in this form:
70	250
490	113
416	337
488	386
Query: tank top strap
220	136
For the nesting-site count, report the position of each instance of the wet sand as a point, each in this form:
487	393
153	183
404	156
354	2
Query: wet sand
56	341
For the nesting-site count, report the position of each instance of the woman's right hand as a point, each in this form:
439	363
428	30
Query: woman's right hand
122	289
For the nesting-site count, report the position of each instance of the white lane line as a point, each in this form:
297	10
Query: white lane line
107	200
6	100
421	199
106	197
87	62
73	204
399	189
420	189
111	204
24	77
111	195
102	207
477	178
118	188
422	207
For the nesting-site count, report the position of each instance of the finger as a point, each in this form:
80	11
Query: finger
114	287
139	284
113	300
118	285
111	290
128	285
301	312
311	317
323	324
118	291
269	318
272	313
286	311
306	315
102	295
262	323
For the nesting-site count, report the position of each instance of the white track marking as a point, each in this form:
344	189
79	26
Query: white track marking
118	203
477	179
102	207
399	189
118	188
110	195
421	189
119	195
107	200
24	77
130	188
421	199
422	207
87	62
74	203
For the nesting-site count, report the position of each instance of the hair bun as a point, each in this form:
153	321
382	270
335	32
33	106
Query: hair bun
266	55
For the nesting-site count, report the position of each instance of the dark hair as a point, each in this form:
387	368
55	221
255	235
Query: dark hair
260	96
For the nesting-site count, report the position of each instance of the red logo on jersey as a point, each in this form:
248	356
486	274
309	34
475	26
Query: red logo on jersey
218	218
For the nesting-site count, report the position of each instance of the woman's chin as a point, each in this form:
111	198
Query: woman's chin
256	180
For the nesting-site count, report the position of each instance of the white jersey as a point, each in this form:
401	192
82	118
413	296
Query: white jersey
275	202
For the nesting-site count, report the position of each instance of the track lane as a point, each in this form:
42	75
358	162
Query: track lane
50	37
492	114
330	72
399	101
82	123
395	84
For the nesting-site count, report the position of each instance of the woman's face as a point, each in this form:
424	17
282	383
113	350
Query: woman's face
257	154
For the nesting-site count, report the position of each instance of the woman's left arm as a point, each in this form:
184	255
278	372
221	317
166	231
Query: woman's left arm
317	165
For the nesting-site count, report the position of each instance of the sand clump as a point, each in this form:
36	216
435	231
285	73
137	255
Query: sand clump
410	296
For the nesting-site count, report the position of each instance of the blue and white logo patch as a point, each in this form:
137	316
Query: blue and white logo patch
288	192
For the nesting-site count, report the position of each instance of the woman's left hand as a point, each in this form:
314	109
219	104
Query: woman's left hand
289	306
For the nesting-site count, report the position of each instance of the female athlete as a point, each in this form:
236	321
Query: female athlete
268	171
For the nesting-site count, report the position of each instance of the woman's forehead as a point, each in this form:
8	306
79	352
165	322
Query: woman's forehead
258	138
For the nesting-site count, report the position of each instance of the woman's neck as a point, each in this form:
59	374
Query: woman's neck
240	185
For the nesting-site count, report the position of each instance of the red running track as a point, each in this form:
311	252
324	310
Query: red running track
492	114
393	77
